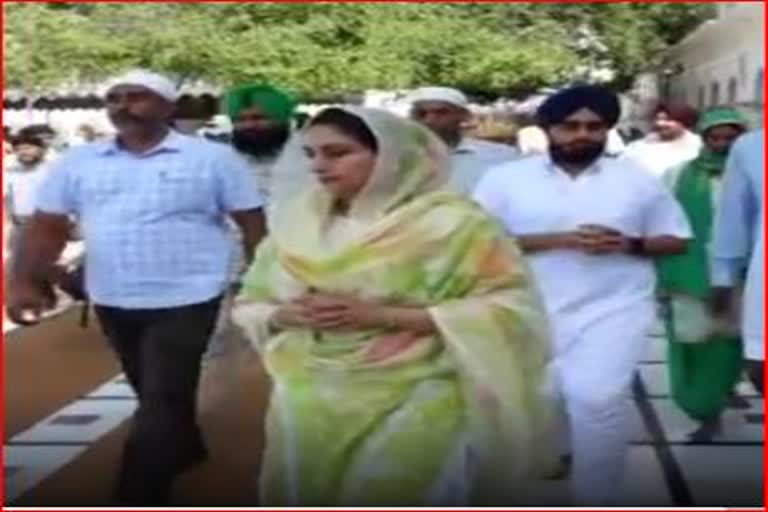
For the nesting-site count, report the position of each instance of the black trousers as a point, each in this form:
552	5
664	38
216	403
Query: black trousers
160	351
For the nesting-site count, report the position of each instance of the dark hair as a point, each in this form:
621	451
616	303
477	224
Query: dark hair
37	130
348	124
28	139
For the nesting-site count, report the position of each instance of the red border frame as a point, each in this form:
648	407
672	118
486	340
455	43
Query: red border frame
2	294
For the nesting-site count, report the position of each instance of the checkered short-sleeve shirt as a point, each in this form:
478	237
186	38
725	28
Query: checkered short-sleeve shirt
154	225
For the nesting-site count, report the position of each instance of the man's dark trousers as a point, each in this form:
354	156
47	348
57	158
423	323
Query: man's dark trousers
160	351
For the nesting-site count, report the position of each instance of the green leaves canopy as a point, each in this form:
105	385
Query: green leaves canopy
331	48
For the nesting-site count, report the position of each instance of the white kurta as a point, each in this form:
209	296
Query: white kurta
472	158
600	306
658	156
226	336
532	196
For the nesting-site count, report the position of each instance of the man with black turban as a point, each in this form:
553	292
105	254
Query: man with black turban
671	142
590	225
598	99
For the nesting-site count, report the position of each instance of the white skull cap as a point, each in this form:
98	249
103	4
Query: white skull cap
155	82
445	94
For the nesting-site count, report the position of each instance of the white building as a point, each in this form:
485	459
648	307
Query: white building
721	62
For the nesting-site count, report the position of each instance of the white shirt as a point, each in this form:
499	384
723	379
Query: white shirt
472	158
20	188
532	196
532	139
658	156
262	171
615	145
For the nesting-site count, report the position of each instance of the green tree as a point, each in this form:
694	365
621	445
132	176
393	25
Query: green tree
325	48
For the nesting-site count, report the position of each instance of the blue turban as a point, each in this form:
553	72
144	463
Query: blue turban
562	104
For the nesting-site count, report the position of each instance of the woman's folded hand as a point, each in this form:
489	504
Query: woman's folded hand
292	315
328	312
335	312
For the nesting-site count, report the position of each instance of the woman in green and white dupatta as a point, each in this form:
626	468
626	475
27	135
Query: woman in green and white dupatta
705	358
405	342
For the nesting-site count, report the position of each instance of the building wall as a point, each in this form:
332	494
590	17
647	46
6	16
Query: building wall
640	101
721	63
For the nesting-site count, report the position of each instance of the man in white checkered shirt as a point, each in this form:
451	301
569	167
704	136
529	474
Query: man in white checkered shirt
153	206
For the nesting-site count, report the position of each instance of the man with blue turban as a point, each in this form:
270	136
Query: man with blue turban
591	225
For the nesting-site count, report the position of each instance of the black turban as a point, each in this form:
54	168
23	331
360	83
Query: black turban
562	104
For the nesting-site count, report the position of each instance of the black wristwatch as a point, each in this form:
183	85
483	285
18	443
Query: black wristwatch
636	247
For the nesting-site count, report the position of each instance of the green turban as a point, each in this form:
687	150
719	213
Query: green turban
274	103
719	116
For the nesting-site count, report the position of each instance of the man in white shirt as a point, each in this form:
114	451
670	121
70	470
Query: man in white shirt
590	225
671	143
445	111
22	181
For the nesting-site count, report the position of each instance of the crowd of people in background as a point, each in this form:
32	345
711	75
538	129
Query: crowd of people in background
449	311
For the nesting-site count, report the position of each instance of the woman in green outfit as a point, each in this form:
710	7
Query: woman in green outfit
705	355
403	336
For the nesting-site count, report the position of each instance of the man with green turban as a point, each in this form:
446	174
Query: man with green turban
261	125
274	103
261	117
705	359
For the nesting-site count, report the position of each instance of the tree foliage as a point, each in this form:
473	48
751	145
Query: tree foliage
338	48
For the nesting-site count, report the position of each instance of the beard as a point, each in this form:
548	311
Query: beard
261	143
583	156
